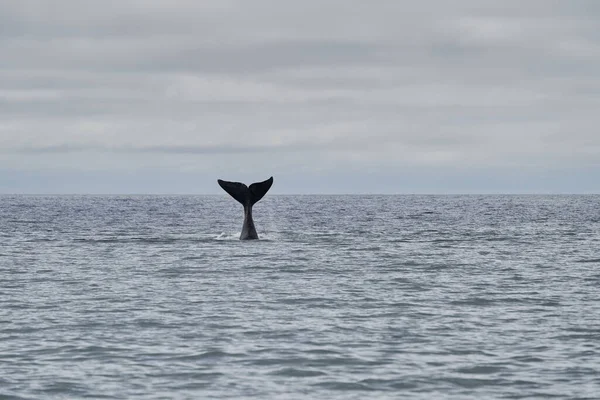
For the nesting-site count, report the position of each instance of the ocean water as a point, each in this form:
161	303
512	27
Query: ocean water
345	297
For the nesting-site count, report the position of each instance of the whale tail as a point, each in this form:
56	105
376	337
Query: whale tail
248	196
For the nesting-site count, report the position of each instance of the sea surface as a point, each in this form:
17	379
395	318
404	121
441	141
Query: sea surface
344	297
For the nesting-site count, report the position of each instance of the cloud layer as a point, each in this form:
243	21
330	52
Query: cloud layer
314	88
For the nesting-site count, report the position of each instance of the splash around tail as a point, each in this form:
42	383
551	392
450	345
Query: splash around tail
247	196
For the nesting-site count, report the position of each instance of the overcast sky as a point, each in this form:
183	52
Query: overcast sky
349	96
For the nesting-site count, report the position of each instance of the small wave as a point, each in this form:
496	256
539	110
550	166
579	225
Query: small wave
387	384
481	369
527	359
298	373
210	354
473	383
140	240
9	396
65	387
263	237
368	248
228	236
475	301
28	221
589	260
38	240
345	386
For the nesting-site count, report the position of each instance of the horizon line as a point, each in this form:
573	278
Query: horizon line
322	194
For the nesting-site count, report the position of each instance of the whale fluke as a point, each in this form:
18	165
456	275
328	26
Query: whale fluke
247	196
244	194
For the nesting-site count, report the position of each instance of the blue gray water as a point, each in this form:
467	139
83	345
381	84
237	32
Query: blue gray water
346	297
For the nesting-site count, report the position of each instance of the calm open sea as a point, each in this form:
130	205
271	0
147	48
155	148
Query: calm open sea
345	297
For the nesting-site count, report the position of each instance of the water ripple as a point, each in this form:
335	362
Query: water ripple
347	297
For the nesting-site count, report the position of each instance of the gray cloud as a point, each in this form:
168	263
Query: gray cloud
217	86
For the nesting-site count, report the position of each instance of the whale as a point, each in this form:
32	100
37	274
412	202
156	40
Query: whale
247	196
